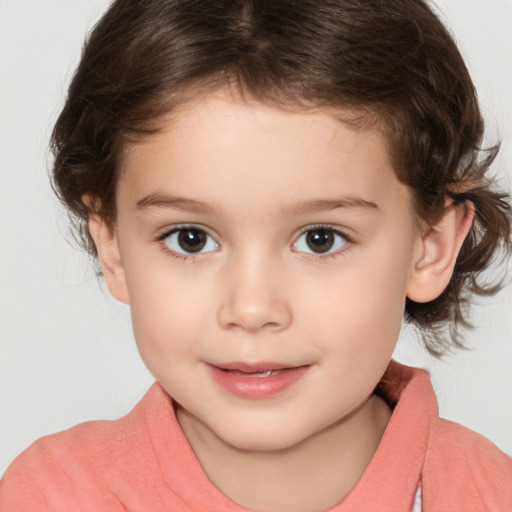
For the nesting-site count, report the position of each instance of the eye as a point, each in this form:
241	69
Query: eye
189	240
320	241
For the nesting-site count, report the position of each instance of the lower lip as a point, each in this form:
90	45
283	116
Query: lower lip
258	387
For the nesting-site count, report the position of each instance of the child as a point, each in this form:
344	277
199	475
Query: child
271	186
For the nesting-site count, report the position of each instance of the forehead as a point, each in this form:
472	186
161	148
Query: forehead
216	145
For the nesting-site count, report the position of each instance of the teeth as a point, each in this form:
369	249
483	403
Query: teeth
255	374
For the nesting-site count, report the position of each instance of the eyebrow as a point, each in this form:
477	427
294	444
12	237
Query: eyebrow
178	203
317	205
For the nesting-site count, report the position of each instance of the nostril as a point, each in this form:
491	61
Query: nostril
233	316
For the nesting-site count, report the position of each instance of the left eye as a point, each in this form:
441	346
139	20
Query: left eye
190	241
320	241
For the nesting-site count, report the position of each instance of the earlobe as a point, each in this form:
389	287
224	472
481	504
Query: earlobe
437	252
109	256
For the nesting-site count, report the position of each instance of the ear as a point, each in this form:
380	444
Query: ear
437	252
109	256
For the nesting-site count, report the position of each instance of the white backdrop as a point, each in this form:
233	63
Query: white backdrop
67	352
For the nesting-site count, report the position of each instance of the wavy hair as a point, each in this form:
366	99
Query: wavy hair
392	62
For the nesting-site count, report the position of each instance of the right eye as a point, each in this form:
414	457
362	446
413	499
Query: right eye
189	240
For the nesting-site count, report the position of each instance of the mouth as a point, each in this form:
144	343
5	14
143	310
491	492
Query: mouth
266	373
256	380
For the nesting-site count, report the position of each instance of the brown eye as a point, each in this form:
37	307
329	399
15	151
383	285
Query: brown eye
190	241
320	241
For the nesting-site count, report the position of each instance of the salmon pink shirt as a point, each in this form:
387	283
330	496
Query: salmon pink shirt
143	463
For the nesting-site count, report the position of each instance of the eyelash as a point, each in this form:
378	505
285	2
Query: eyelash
184	258
316	257
323	258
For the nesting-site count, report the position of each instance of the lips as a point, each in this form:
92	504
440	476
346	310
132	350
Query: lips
256	380
260	367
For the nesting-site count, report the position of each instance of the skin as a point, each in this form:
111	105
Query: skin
255	178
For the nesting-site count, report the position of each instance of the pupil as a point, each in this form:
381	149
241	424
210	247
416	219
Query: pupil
320	240
192	240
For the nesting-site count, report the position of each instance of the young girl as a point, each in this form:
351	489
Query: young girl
271	187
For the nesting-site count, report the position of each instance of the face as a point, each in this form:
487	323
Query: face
266	255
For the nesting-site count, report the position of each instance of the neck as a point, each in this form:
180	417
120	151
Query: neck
312	476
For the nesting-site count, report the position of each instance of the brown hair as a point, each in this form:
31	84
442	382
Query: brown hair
390	60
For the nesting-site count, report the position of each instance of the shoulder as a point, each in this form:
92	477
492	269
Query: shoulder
472	446
80	465
464	465
48	470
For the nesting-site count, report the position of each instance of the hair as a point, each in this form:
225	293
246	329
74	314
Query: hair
391	62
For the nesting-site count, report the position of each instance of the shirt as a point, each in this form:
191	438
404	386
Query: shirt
143	462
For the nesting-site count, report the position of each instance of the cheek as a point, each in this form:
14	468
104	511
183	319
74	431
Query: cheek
167	314
361	305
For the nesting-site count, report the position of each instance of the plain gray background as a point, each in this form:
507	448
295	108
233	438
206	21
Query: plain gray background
67	352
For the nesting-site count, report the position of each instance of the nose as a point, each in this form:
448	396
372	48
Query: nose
254	298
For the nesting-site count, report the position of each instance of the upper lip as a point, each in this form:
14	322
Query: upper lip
253	367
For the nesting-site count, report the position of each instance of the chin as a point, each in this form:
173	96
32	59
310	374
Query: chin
262	440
